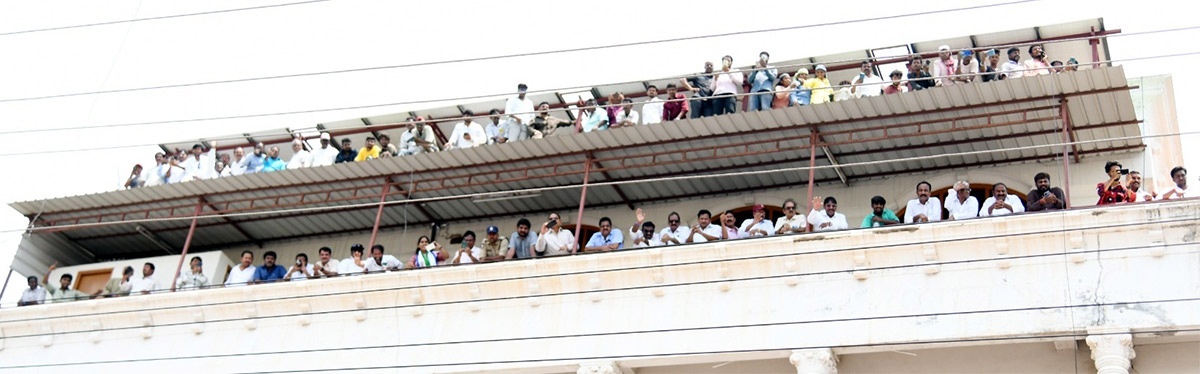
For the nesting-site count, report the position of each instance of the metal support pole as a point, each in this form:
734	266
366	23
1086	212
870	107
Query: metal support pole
10	271
812	164
1066	163
1095	42
587	172
387	187
187	243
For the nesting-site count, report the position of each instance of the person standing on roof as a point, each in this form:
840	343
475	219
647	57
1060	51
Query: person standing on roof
327	154
762	80
518	113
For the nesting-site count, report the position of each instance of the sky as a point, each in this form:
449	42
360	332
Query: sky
347	34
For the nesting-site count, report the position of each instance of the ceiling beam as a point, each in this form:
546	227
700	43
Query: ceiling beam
233	223
607	177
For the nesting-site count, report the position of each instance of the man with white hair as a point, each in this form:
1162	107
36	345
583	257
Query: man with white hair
960	203
301	158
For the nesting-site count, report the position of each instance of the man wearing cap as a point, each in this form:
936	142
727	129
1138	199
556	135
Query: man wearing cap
702	86
968	68
200	164
960	203
867	83
518	112
386	148
924	208
495	247
327	154
819	87
1072	65
757	225
801	97
1036	64
273	162
301	158
762	80
467	133
369	152
492	129
347	154
1012	68
993	64
918	77
944	67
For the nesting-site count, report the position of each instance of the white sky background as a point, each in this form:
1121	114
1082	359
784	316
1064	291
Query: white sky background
345	34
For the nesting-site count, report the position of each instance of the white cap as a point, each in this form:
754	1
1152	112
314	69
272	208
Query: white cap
943	48
822	67
324	136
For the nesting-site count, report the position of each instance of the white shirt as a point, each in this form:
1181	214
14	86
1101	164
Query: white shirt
331	266
37	294
198	168
236	167
177	173
819	217
552	243
632	117
941	72
300	275
932	209
679	234
301	159
870	86
655	239
1011	69
797	222
144	284
652	111
464	259
323	156
389	263
238	276
493	131
763	225
1012	200
188	280
347	267
478	136
971	68
1179	193
711	230
962	210
516	107
151	177
727	83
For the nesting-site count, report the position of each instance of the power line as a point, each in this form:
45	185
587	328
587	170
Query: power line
56	28
607	290
526	54
615	333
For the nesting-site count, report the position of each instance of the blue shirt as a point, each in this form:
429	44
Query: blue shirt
801	96
597	121
614	236
763	80
273	164
275	273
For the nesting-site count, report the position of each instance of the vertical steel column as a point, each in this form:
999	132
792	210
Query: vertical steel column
1066	118
1095	42
387	187
187	243
812	164
587	172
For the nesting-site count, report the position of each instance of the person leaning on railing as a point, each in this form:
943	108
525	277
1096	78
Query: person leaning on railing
1133	184
63	292
1043	196
1179	176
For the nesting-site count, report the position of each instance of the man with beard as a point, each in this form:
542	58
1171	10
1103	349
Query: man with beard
1012	68
1044	197
702	85
924	208
1036	64
254	162
1001	203
673	234
647	238
1133	184
879	216
348	153
521	242
545	124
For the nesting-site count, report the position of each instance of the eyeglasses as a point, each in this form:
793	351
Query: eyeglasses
789	208
673	221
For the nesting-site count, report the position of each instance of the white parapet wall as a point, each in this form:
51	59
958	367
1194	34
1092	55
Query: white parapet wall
1102	280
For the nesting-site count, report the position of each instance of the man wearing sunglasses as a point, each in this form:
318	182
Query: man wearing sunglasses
790	222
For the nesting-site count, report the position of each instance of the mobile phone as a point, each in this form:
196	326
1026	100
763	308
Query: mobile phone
1124	171
430	247
552	223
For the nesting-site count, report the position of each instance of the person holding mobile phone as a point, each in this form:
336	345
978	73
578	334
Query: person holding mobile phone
726	84
468	252
429	254
1044	197
554	239
1111	191
867	83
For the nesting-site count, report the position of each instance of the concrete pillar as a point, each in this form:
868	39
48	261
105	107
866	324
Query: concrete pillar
814	361
1112	350
602	367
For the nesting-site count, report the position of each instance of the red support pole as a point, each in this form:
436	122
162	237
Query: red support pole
812	164
387	187
587	172
187	243
1066	164
1095	42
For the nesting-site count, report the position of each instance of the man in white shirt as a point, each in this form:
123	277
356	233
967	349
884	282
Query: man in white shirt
627	116
924	208
758	225
171	172
418	139
944	67
34	295
518	112
353	265
146	284
237	166
673	234
301	158
704	230
1179	176
867	83
379	262
327	154
151	175
960	203
243	273
646	237
200	164
1133	183
1012	68
467	133
327	266
492	130
652	109
828	219
468	253
790	222
555	240
300	270
1001	203
968	68
193	277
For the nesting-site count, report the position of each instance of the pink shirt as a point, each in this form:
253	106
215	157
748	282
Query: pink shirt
1039	67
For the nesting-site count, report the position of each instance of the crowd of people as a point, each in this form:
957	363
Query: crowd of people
552	239
713	92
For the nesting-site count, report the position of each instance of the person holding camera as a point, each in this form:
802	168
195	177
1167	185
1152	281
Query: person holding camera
1044	197
301	270
553	239
1111	191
